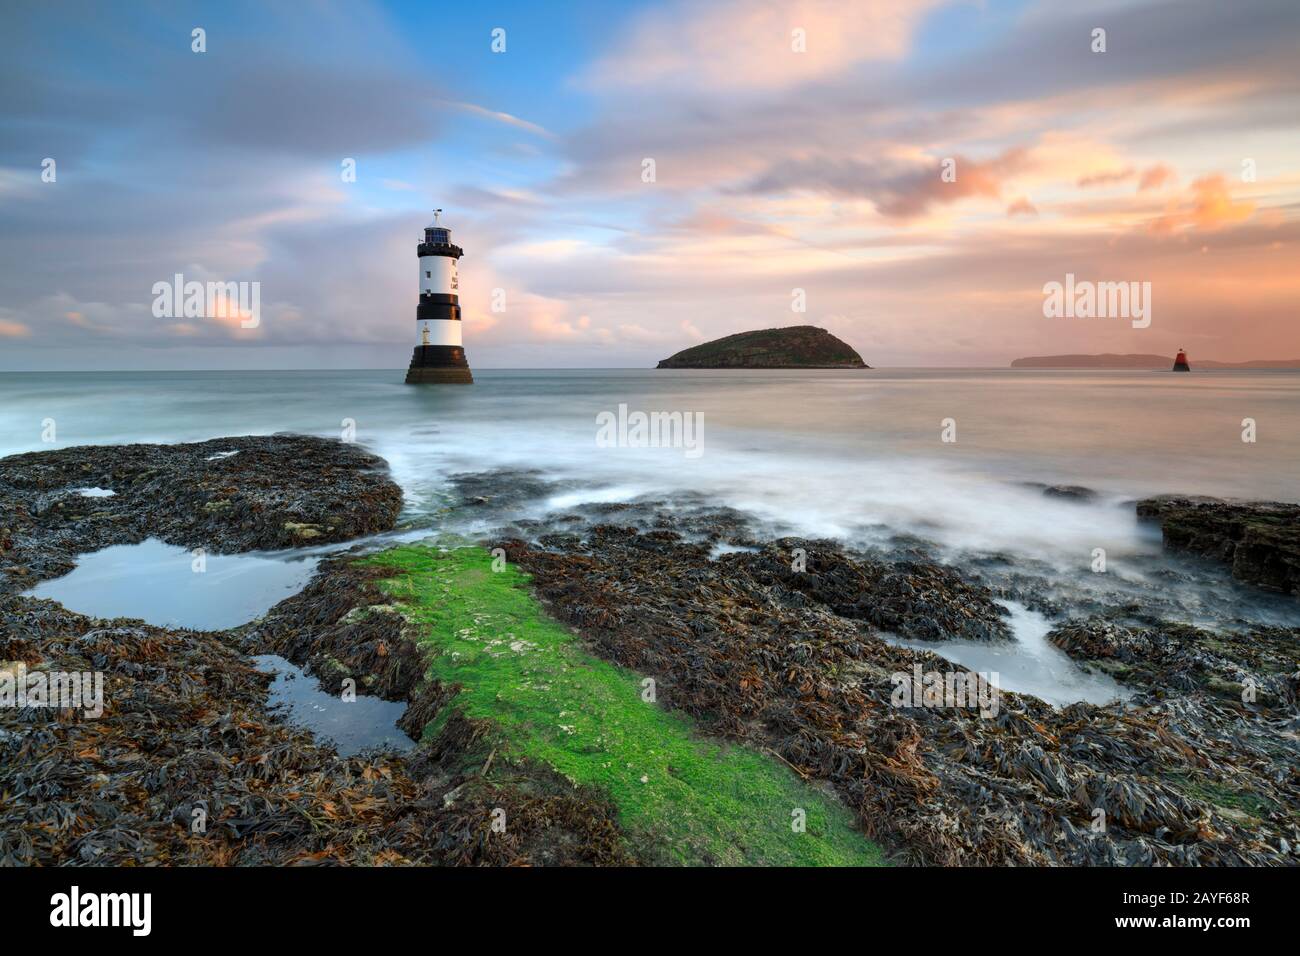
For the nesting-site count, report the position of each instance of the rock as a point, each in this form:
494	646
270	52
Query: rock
187	725
501	489
1069	492
786	661
277	492
1259	541
303	530
1167	659
917	599
797	346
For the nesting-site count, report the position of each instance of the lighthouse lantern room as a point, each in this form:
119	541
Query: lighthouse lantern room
439	357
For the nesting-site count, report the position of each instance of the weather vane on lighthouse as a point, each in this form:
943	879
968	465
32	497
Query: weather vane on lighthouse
439	358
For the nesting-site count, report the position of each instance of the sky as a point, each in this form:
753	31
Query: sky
913	171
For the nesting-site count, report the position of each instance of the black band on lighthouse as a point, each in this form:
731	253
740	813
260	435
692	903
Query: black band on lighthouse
439	356
439	249
429	309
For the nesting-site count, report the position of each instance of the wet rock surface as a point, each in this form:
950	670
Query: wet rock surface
768	640
917	599
187	724
1165	659
273	492
1259	541
1068	492
186	727
1188	776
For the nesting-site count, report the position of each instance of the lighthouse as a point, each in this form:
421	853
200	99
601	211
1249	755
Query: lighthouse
439	357
1180	361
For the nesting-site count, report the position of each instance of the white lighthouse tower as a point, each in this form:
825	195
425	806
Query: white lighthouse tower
439	357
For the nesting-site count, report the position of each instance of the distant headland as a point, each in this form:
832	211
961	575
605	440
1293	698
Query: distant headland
796	346
1139	361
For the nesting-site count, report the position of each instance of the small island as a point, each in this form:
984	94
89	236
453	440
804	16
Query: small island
797	346
1141	361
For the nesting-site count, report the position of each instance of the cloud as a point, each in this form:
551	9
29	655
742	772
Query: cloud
1154	45
741	46
1156	176
13	330
901	189
712	221
776	170
262	86
506	118
303	108
1106	178
1153	177
1209	206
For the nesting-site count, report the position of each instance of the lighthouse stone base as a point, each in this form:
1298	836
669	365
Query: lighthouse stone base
439	365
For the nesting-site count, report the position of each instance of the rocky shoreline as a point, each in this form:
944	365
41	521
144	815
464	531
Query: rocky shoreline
1259	541
792	668
227	495
189	764
774	643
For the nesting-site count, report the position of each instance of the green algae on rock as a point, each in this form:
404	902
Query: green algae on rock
755	656
682	797
189	765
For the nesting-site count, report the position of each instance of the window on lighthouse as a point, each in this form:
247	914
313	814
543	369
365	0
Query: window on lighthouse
428	275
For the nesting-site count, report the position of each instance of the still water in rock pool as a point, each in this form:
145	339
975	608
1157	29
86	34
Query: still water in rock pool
1030	665
160	584
353	726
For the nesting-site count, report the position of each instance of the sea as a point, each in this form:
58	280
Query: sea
955	460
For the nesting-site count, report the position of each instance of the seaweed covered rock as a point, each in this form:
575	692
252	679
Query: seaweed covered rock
226	495
1259	541
338	627
187	733
918	599
187	764
744	646
1258	666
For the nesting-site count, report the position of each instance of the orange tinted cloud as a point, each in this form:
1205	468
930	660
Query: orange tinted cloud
1210	206
1106	178
741	45
901	191
1155	177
